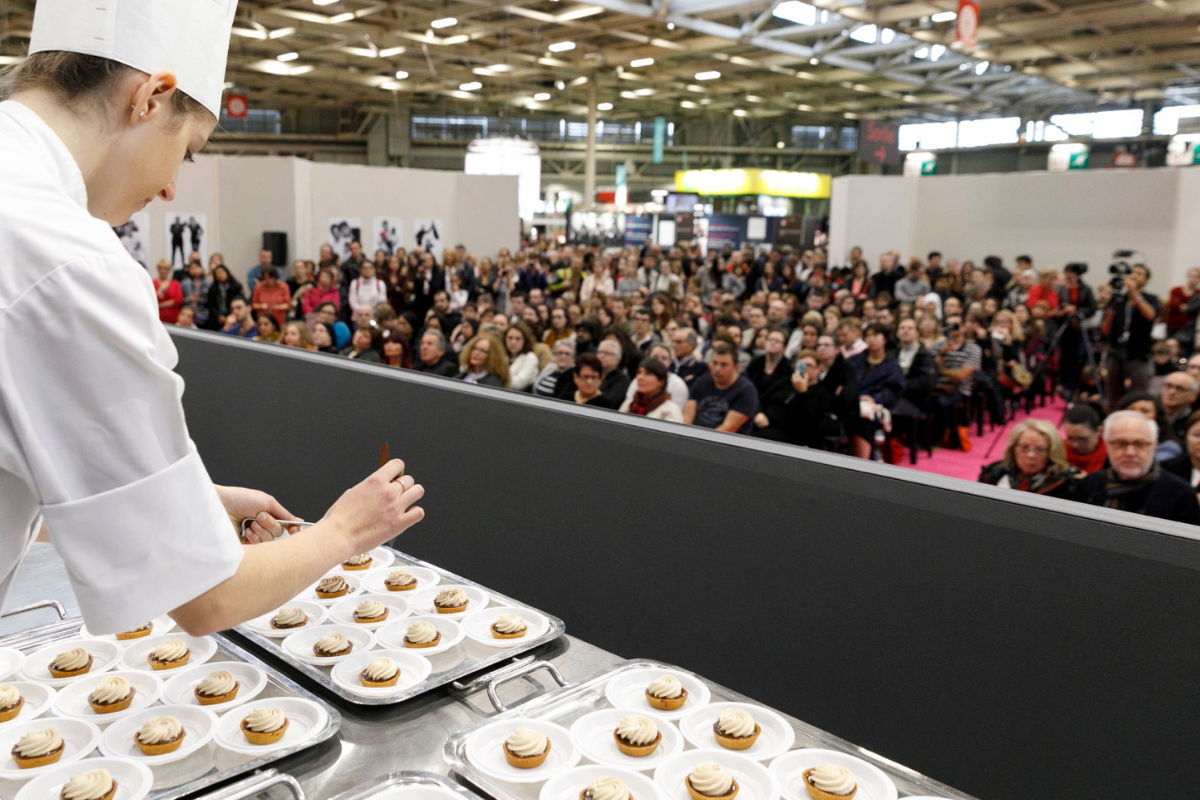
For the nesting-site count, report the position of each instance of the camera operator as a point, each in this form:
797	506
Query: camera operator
1076	303
1126	329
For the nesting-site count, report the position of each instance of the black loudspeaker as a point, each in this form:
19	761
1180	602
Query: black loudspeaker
276	242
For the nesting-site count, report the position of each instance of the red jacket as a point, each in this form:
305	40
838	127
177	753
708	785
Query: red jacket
1039	292
174	295
315	297
1176	314
277	295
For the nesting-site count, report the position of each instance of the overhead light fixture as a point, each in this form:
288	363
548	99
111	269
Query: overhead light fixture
981	67
304	70
579	13
560	85
814	61
937	51
627	96
279	34
542	97
337	18
324	2
470	87
249	33
287	56
501	67
944	16
780	145
561	47
646	92
444	22
687	104
604	106
641	62
659	192
670	26
401	75
711	75
737	112
388	52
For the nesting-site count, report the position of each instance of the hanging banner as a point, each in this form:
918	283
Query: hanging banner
622	194
638	228
967	24
660	139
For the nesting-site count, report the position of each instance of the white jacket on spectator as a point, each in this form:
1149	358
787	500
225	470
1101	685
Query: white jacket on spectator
367	293
523	371
668	411
676	387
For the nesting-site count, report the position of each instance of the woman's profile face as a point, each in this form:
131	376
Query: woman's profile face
291	337
648	382
1145	408
1193	441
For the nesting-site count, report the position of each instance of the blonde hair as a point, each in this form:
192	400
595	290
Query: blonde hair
1057	453
497	363
1018	333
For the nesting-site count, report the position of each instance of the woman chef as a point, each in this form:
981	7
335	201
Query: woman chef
93	442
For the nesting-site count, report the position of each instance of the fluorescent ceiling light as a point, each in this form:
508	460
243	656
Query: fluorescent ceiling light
17	60
711	75
250	33
627	96
307	68
937	51
470	87
542	97
644	92
324	2
604	106
944	16
462	37
501	67
444	22
561	47
279	34
797	12
388	52
641	62
687	104
737	112
981	67
287	56
336	18
401	75
580	13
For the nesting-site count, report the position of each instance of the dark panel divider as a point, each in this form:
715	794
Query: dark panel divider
1006	647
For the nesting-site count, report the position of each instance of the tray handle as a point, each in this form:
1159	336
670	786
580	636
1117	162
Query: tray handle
57	606
519	672
256	784
488	677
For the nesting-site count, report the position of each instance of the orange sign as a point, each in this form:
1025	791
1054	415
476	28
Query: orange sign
967	25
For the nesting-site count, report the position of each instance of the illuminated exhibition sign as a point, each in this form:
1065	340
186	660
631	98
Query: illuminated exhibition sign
773	182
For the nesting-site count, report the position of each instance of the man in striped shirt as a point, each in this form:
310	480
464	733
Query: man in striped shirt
957	360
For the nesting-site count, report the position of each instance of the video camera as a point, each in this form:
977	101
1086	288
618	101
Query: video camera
1120	269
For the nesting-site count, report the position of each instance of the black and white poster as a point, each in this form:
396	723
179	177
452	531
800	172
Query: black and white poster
187	233
388	236
343	231
428	235
135	235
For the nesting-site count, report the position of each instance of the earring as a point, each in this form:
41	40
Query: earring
140	113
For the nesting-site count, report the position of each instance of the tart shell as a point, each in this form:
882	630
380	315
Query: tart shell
701	796
527	762
270	737
637	750
162	748
821	794
112	708
667	703
736	742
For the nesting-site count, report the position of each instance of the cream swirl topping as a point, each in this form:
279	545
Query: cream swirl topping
608	788
509	623
370	609
451	598
158	730
637	730
112	689
265	720
666	686
217	683
38	743
525	742
400	577
333	643
9	696
711	779
70	660
359	560
736	722
172	650
832	778
421	632
88	786
332	585
290	617
381	669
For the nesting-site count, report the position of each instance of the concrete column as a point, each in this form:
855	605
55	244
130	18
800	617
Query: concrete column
589	170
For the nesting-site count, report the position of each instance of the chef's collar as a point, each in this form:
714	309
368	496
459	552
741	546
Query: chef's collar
65	171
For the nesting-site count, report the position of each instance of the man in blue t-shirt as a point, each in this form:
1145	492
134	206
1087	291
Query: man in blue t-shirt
722	399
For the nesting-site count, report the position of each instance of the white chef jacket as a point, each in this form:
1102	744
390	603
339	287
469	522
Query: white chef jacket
92	433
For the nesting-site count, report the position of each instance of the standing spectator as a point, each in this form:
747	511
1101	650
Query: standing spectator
195	293
352	266
885	280
1034	461
367	291
1179	393
169	293
254	275
723	400
652	399
1086	450
1127	327
1177	303
432	356
556	379
913	286
1000	277
880	388
239	321
523	362
271	296
483	362
325	292
301	281
1076	305
1045	289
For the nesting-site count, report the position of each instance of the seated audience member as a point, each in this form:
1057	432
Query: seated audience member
958	361
919	368
324	337
394	348
1193	366
1135	482
1179	392
809	417
587	381
803	338
523	362
684	342
614	380
678	390
652	398
586	334
327	313
169	294
557	378
482	361
643	329
364	345
187	318
849	334
560	328
271	296
1187	466
1148	406
297	334
771	374
1084	444
880	388
1034	461
432	356
239	322
723	400
268	328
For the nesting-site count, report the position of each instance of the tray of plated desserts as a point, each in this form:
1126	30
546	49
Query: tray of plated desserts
385	627
409	785
643	729
152	713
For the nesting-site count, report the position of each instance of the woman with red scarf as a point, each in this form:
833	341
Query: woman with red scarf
652	398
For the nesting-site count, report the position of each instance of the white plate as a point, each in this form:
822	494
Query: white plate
414	669
163	624
72	701
754	782
79	740
11	660
38	699
133	780
203	648
485	749
593	734
478	626
568	785
392	634
373	580
421	601
381	557
316	613
182	683
306	719
300	645
104	657
628	690
776	738
199	725
788	772
310	594
343	613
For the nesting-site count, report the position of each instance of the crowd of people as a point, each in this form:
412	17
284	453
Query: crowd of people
776	344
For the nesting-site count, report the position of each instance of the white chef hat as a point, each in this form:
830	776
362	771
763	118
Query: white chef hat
188	37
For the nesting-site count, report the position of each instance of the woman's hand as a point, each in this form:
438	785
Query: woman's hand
264	509
761	421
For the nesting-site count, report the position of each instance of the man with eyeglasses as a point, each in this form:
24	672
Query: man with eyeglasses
1178	394
1135	482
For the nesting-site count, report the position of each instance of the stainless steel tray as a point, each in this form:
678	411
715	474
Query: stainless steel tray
463	659
174	781
564	706
260	783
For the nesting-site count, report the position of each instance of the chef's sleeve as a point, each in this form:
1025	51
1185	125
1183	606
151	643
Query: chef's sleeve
95	413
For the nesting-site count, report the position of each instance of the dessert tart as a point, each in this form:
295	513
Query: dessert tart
526	749
112	694
709	780
359	562
666	693
136	633
509	626
451	601
830	782
637	736
288	618
400	580
70	663
606	788
369	611
11	703
159	736
265	726
736	729
171	654
38	748
380	673
216	688
335	586
95	785
422	634
332	645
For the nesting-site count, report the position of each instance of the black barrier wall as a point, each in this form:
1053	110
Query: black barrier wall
1009	649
